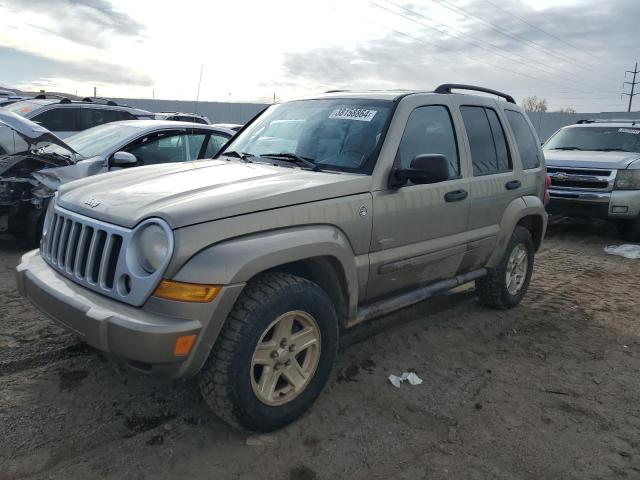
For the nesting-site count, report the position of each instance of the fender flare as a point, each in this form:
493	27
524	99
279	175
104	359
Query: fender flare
237	260
518	209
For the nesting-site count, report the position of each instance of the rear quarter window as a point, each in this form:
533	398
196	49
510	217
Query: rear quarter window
525	139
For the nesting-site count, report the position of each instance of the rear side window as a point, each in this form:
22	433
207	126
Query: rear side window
430	130
527	143
92	117
488	143
58	119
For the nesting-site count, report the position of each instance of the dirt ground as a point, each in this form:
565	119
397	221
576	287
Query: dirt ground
549	390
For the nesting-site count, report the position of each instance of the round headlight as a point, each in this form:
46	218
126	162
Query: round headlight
153	247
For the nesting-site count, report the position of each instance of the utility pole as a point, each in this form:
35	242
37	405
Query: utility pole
633	86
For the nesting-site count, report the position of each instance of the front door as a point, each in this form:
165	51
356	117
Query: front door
419	230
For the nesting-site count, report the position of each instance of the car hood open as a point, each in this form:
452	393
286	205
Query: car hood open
31	132
590	159
195	192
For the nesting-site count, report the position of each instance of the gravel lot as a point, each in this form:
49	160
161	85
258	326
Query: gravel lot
548	390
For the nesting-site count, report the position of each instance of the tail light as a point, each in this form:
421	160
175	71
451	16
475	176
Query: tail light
547	184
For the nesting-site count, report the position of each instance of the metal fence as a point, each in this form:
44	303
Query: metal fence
227	112
218	112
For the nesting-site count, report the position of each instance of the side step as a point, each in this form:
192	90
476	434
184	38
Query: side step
406	299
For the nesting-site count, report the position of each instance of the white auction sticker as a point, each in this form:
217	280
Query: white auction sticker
634	131
353	113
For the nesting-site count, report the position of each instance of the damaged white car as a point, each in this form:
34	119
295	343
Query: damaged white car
30	178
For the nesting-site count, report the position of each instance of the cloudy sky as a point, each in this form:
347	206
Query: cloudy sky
571	52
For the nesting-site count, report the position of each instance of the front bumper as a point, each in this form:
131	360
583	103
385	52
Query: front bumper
616	204
145	337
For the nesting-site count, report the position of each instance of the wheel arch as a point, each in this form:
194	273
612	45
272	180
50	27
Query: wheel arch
320	253
527	212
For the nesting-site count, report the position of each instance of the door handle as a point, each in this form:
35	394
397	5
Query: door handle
513	185
456	195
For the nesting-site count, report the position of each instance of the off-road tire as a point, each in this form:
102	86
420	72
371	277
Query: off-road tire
225	380
492	288
629	229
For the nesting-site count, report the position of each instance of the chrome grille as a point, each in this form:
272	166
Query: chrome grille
87	253
582	178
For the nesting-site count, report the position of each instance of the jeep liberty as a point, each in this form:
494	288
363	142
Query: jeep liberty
244	269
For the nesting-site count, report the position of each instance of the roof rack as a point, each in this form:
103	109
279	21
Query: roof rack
447	87
609	120
100	101
44	96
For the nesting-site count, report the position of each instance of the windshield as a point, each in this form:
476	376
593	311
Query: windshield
625	139
95	141
334	134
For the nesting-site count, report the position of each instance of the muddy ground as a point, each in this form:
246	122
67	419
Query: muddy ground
549	390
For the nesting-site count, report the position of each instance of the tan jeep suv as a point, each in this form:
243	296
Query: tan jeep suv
320	214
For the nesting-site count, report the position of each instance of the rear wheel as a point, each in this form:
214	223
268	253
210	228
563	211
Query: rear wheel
274	354
506	285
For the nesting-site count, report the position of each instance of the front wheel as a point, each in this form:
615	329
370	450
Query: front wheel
505	286
274	354
629	229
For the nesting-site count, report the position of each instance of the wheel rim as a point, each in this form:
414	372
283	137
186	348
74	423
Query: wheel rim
285	358
517	268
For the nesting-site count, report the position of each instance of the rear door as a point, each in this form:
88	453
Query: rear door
494	181
419	229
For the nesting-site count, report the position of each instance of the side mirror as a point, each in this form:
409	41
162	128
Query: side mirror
425	168
123	160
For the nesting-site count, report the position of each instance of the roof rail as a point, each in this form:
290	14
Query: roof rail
100	101
336	91
632	121
43	96
447	87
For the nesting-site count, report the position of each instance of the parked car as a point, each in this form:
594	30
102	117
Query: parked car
595	172
182	117
8	100
246	268
7	93
64	117
29	179
232	126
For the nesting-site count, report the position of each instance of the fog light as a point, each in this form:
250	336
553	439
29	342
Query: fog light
186	292
183	345
619	209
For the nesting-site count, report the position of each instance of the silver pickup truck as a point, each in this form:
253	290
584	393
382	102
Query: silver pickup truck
245	269
595	172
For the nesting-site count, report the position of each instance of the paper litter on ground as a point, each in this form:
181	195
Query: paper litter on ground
410	377
627	250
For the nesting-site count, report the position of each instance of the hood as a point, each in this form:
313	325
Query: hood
195	192
31	132
590	159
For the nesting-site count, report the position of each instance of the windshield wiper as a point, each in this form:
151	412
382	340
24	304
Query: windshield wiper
610	150
566	148
293	158
241	155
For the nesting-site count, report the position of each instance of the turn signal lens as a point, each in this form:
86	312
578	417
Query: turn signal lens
186	292
183	345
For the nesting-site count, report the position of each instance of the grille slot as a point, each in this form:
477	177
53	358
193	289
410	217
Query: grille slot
87	254
580	171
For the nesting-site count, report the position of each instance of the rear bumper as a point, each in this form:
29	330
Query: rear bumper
145	337
616	204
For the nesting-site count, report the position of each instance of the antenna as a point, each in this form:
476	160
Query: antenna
195	110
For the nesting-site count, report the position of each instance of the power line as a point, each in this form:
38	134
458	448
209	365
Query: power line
535	27
476	44
534	45
633	85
